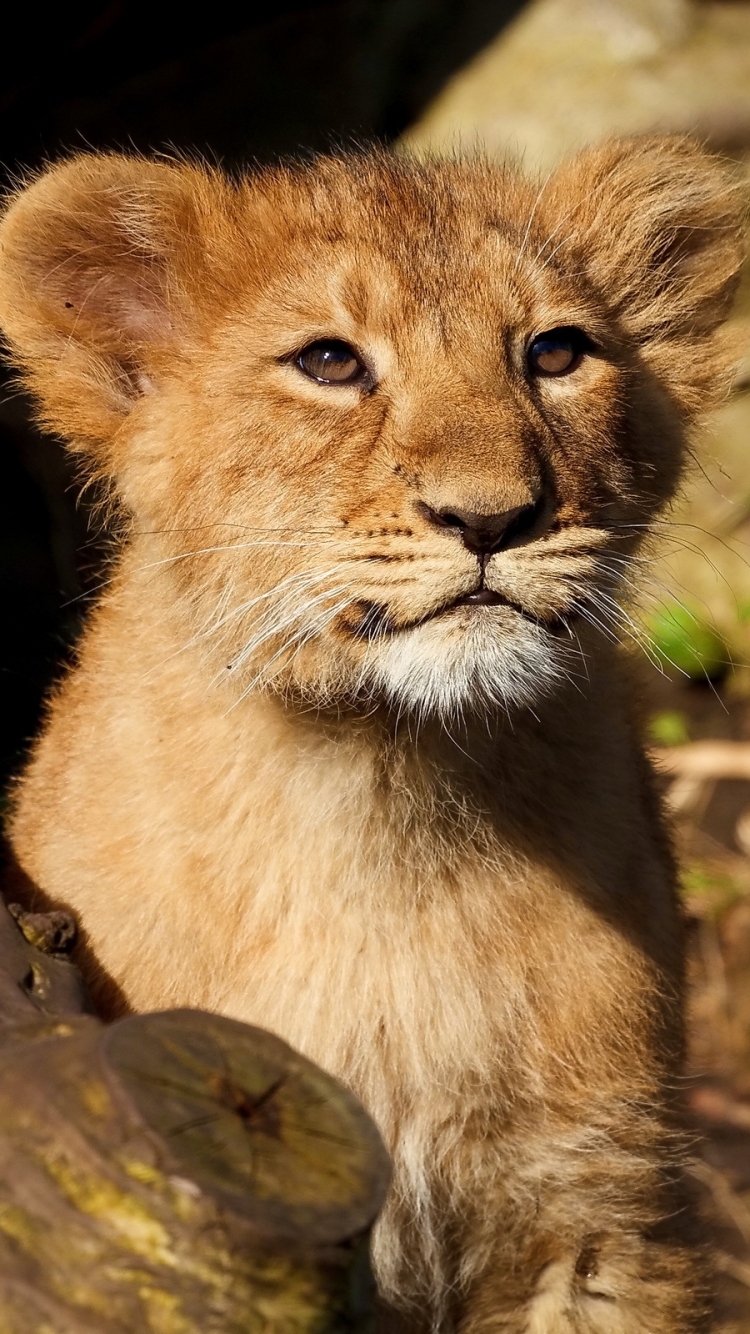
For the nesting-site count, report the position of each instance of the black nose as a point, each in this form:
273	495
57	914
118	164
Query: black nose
485	533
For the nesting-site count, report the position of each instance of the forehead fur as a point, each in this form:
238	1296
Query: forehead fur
626	221
383	244
404	207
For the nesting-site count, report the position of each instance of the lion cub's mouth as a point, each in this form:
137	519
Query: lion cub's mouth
368	620
483	597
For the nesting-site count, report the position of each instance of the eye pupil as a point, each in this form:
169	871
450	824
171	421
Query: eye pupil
558	352
330	361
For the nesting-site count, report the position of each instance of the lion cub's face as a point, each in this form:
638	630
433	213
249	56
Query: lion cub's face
390	431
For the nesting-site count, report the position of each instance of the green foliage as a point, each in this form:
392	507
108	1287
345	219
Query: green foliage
687	645
669	728
711	887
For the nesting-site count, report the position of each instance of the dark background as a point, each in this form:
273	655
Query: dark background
237	83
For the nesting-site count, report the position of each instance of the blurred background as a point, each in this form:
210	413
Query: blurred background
244	83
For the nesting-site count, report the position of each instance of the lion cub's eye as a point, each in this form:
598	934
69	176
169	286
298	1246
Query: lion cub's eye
331	362
558	352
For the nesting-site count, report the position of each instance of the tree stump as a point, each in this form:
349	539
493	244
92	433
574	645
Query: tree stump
172	1173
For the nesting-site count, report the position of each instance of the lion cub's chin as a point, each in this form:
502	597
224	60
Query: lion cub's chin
466	660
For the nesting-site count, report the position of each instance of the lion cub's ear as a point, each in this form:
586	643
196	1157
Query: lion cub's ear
658	224
99	261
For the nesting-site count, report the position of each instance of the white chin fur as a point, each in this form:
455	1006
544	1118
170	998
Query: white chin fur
464	662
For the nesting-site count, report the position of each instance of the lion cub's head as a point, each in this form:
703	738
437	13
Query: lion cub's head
394	430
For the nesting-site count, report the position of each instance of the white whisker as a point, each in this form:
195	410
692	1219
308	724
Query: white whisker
305	633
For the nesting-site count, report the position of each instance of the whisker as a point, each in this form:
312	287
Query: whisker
664	592
275	627
243	527
645	642
304	631
293	583
532	214
695	527
233	546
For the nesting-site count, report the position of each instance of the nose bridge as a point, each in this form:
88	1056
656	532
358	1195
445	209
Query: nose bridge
478	457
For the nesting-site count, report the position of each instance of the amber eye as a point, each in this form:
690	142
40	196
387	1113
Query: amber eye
558	352
331	362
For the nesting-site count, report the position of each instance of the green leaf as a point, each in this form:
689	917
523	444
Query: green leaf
687	645
669	728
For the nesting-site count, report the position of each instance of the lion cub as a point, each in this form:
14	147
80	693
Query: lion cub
348	750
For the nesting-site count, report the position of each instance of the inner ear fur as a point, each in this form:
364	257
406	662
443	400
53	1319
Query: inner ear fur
100	262
658	225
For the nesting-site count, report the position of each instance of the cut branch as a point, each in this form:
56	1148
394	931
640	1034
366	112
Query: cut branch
180	1173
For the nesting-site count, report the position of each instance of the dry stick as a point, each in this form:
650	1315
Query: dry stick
173	1173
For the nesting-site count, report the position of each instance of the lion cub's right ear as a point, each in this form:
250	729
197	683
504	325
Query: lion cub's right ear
100	261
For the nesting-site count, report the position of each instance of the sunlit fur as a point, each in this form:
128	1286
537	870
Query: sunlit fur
292	778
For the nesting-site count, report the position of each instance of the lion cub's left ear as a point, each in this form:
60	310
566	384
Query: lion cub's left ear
658	225
100	259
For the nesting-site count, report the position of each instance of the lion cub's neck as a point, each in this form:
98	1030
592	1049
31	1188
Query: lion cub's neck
414	792
242	833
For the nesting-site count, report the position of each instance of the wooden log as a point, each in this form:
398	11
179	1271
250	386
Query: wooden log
174	1173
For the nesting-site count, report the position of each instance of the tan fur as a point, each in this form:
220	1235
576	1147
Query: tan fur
282	782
